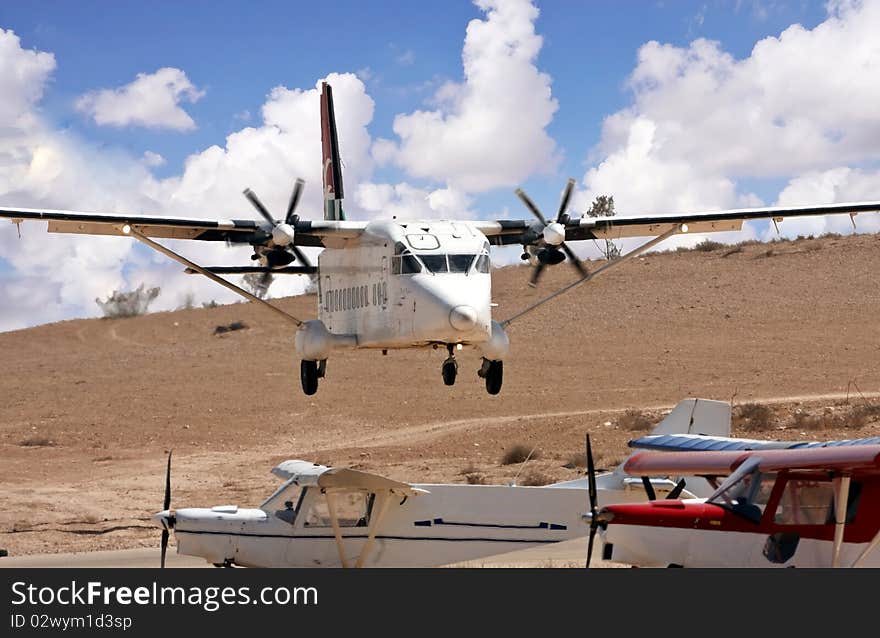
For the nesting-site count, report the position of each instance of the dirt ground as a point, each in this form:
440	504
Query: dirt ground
90	408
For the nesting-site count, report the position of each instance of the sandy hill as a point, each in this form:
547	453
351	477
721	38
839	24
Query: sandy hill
89	407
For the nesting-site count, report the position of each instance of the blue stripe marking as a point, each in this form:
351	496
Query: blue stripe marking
440	521
378	537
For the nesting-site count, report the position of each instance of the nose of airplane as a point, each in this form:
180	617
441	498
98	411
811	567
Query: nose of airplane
163	519
463	318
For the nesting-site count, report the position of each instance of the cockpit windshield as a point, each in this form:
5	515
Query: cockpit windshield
745	492
406	263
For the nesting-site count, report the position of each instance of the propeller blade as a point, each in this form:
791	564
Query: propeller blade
566	197
253	199
591	491
572	258
649	489
164	548
294	200
530	205
591	477
167	502
536	274
676	491
593	529
300	255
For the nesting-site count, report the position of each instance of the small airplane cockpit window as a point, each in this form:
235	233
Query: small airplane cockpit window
293	498
811	502
745	493
352	510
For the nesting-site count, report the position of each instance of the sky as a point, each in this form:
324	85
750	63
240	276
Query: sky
444	108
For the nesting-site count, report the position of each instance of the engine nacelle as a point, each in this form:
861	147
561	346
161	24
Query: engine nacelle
550	256
498	345
282	234
314	342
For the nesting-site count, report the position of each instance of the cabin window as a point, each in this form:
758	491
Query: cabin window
811	502
384	296
292	501
352	508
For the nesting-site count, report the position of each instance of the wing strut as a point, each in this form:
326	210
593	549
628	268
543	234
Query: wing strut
331	507
374	527
129	230
678	228
841	500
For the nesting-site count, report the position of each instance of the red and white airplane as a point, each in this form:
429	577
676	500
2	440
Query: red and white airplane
804	507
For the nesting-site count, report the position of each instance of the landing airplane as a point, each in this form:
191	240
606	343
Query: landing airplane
813	506
389	283
341	517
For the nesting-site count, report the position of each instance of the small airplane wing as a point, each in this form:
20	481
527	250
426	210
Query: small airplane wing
700	442
243	231
502	232
345	478
850	458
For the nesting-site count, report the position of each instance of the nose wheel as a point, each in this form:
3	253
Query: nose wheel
449	370
493	373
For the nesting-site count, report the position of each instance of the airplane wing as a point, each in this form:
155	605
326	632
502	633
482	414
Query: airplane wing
243	231
851	458
501	232
701	442
306	473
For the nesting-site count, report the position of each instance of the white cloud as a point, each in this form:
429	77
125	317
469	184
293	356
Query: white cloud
406	201
151	100
23	76
488	131
702	121
152	159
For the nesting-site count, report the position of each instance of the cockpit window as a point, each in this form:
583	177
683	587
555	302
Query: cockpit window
435	263
460	263
746	494
482	264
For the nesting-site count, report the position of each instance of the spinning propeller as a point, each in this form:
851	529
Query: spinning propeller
166	516
594	513
552	235
284	251
597	520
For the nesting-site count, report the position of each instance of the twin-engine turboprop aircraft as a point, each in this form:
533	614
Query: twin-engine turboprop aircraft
341	517
389	283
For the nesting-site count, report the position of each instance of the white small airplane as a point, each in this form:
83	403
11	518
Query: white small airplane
339	517
389	283
782	504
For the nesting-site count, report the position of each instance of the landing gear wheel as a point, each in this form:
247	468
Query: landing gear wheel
494	376
449	371
308	373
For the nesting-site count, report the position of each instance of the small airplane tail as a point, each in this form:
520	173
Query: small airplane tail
332	166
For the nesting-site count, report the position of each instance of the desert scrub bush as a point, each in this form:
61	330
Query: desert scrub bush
752	417
519	453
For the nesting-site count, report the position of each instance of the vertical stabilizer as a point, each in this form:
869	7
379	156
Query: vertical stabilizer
332	167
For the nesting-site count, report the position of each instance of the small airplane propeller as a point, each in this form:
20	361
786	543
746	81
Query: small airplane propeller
284	250
166	504
553	235
591	483
674	493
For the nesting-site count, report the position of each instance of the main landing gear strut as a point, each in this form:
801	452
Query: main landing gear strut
310	372
493	373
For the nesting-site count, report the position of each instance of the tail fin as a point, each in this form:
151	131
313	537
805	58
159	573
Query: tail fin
697	416
332	167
